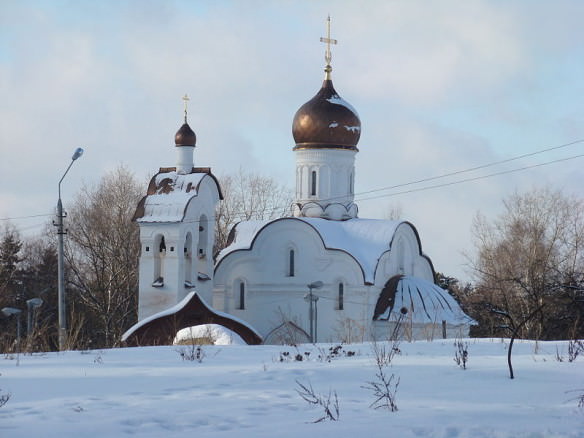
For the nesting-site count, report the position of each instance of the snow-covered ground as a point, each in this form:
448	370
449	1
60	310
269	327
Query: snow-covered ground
245	391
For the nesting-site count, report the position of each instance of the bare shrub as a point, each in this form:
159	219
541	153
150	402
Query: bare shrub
384	353
575	347
333	352
579	398
349	330
329	403
287	331
461	353
322	354
4	399
384	387
192	353
98	359
287	356
559	356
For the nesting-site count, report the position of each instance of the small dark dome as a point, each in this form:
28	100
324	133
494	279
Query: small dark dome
326	121
185	136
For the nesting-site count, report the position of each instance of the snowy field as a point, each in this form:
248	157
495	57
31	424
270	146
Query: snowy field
241	391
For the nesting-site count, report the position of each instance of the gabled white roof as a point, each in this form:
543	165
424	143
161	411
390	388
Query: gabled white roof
172	195
364	239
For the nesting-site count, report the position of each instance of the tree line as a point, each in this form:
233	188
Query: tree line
527	266
528	269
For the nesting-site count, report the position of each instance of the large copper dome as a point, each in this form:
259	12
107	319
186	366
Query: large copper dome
185	136
326	121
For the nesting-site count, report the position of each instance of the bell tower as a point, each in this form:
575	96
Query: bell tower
177	229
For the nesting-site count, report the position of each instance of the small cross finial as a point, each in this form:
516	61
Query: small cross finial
328	41
186	99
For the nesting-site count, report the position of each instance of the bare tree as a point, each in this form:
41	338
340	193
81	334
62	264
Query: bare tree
248	196
531	255
102	252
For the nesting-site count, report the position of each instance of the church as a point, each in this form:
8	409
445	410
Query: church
321	275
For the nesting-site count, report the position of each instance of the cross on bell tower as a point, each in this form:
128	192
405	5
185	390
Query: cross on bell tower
186	99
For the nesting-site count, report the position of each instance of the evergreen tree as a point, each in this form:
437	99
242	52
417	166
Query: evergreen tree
10	246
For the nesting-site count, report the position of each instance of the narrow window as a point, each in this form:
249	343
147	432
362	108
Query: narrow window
313	183
401	255
351	182
158	257
291	264
188	261
341	297
203	237
241	296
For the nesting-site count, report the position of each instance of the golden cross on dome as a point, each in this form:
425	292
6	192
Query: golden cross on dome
186	99
328	41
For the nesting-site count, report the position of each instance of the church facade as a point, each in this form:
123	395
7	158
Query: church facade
321	275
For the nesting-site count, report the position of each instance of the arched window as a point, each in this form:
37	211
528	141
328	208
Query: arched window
291	263
188	260
341	297
313	183
401	257
203	237
351	184
158	254
241	302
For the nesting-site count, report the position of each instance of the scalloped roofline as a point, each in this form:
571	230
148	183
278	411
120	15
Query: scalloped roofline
250	246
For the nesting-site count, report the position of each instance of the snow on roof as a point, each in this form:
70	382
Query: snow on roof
365	239
173	193
217	333
176	308
426	303
338	100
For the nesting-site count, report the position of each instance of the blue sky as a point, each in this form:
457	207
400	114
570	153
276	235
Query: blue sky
440	86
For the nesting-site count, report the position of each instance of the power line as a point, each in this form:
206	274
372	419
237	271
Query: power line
24	217
242	215
504	172
471	169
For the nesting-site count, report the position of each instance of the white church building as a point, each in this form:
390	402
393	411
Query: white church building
321	275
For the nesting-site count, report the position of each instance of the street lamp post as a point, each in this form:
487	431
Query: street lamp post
31	306
60	261
9	311
312	315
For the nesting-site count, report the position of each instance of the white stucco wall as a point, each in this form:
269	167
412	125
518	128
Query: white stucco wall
335	174
405	258
271	293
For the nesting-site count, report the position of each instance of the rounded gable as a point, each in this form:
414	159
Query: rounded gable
257	236
404	257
